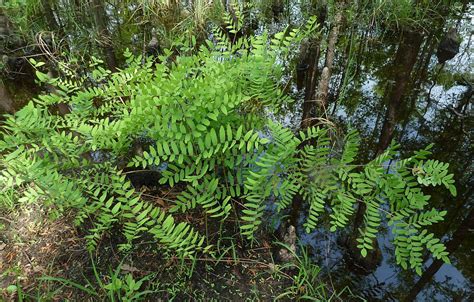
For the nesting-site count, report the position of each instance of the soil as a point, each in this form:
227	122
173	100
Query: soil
32	245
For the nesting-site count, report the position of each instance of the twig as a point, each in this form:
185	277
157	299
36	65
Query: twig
6	219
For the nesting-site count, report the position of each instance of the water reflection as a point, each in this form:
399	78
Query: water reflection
397	90
388	85
401	92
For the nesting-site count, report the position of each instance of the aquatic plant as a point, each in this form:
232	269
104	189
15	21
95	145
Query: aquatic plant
198	120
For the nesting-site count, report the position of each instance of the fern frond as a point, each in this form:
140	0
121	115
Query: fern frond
434	173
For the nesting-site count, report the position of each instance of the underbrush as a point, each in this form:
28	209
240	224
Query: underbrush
163	171
52	264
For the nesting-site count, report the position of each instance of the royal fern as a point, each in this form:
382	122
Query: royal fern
201	123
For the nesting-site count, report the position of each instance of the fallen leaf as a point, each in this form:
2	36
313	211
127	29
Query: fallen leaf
129	268
160	202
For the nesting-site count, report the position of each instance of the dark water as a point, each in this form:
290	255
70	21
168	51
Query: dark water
397	74
428	103
435	105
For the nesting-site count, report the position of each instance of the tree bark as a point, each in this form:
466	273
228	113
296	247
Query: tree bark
420	77
403	64
323	86
311	60
452	245
402	67
311	55
106	44
50	18
6	102
315	99
347	58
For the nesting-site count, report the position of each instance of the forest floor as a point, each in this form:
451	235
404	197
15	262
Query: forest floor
34	249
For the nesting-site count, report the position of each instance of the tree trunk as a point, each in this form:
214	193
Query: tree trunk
346	71
50	18
6	102
420	77
403	64
106	44
458	237
311	54
315	99
311	61
323	86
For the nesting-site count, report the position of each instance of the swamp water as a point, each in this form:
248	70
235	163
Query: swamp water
393	87
390	86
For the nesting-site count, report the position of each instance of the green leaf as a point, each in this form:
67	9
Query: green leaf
212	116
213	136
453	191
222	134
116	208
43	77
239	132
